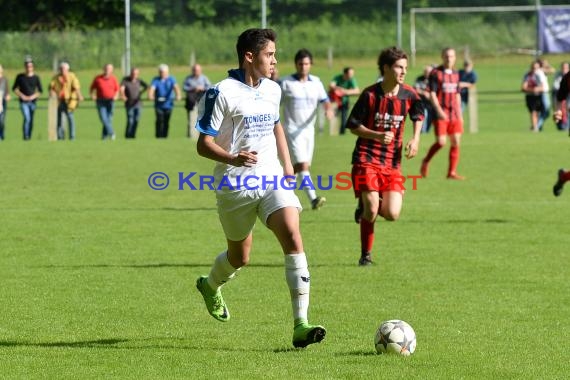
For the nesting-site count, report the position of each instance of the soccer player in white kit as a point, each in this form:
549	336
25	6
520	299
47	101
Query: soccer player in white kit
302	93
238	121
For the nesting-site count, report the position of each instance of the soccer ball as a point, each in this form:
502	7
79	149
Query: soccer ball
395	336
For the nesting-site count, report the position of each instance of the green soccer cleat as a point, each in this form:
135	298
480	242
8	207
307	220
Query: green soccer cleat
214	300
305	334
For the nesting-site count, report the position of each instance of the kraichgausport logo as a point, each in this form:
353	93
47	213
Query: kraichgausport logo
339	181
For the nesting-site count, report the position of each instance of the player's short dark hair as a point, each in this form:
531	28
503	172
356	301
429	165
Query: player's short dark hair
389	56
302	54
253	40
346	69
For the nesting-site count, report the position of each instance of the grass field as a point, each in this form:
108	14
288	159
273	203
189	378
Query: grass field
98	270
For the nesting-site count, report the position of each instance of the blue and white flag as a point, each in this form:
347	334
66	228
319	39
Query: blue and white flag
554	30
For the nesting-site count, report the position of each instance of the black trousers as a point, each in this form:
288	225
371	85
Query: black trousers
162	122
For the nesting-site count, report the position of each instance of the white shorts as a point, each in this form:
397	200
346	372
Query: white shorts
238	210
301	143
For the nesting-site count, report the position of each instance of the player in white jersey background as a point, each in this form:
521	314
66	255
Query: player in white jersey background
238	121
302	93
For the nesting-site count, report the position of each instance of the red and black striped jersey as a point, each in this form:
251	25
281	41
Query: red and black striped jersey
445	84
382	113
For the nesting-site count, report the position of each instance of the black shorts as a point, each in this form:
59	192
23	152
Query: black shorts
533	102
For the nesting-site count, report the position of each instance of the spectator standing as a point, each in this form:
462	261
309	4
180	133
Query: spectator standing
4	98
105	90
66	88
563	123
467	80
163	90
421	87
340	88
194	86
28	88
132	88
532	86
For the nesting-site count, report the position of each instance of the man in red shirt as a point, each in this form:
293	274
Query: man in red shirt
105	90
378	119
446	101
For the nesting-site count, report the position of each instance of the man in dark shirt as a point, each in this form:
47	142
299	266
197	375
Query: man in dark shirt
132	87
28	88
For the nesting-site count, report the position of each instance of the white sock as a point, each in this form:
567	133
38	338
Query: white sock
299	282
222	271
309	190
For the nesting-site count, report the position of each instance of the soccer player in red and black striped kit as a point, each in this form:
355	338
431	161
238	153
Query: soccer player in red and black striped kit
446	100
378	119
562	95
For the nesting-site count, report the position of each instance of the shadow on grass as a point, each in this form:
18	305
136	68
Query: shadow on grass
462	221
151	266
357	353
81	344
126	344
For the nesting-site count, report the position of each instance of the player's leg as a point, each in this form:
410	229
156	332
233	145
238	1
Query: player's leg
224	269
391	205
237	213
370	206
279	210
305	180
455	139
440	127
301	146
563	177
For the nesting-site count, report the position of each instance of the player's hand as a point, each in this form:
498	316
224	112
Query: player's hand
412	148
557	116
387	137
244	158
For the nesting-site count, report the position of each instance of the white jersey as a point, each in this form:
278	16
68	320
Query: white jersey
300	100
241	117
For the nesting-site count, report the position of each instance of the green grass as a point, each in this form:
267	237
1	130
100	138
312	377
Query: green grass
98	270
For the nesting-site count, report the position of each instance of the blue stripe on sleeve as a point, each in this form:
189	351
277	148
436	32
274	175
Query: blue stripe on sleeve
204	125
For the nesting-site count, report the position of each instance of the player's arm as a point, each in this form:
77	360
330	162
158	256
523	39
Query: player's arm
283	150
417	117
329	111
208	148
413	145
458	102
437	107
366	133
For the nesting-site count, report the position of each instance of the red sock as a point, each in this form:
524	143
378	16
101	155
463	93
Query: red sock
366	235
453	159
566	176
432	151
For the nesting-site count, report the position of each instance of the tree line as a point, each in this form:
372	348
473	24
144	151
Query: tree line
51	15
